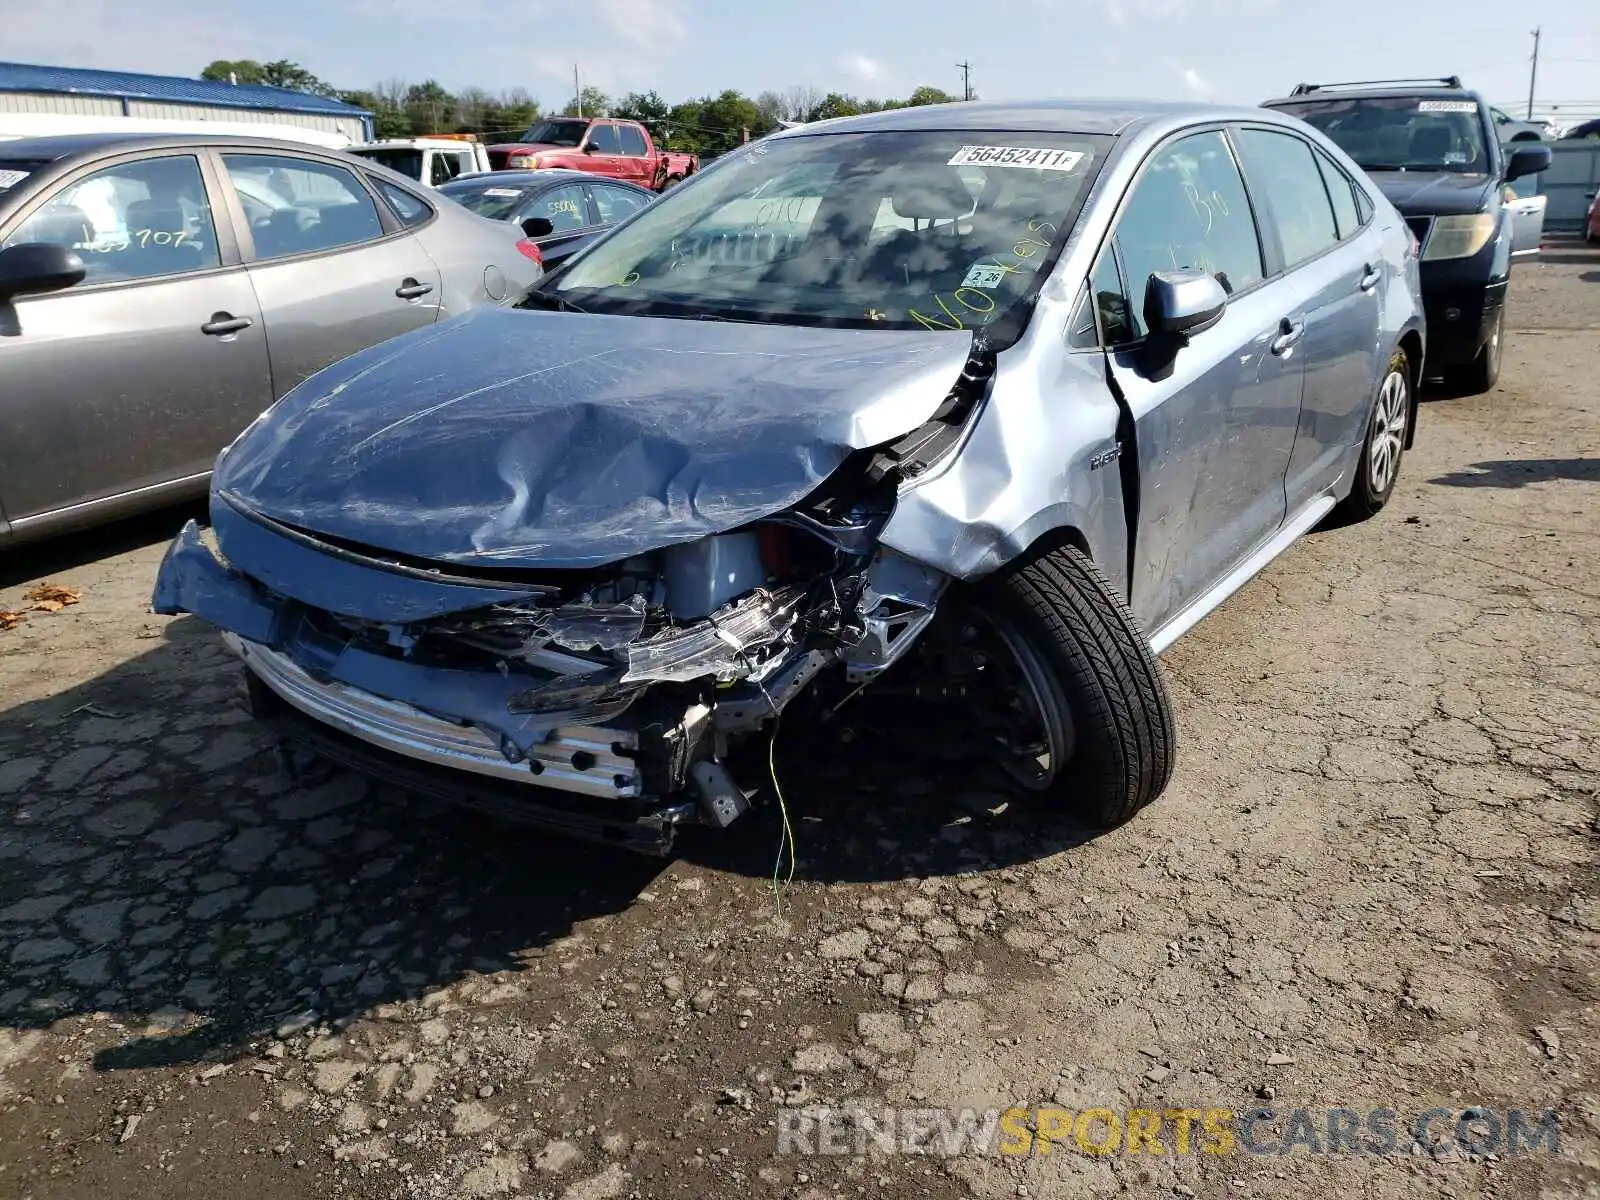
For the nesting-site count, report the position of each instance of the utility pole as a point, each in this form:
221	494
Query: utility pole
966	80
1533	75
577	90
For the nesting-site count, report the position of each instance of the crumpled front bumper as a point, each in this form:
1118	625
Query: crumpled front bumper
443	731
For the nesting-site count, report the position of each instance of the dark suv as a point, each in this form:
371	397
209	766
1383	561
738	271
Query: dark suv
1431	146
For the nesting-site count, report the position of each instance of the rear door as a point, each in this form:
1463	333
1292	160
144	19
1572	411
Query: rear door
1336	267
335	270
140	374
636	163
1215	431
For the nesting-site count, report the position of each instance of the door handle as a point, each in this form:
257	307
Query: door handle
1370	279
410	289
222	324
1289	335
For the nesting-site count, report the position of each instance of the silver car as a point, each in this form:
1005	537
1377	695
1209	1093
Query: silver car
978	406
158	292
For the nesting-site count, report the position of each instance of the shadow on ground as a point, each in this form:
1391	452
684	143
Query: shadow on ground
61	554
156	864
1519	472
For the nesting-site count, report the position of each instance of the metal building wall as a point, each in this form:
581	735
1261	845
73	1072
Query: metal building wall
167	110
76	106
34	102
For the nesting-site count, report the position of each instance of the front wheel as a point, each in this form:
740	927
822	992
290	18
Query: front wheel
1094	726
1483	372
1385	442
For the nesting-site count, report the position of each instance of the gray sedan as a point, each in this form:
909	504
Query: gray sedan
158	292
977	406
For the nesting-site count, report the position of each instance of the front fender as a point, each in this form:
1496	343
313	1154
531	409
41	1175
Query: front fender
1041	455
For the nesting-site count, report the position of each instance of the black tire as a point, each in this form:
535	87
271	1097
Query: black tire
1376	473
1119	717
1483	372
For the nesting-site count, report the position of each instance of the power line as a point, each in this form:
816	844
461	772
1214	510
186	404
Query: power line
966	80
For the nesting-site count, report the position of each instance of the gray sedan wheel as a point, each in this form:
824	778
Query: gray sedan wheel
1087	688
1385	443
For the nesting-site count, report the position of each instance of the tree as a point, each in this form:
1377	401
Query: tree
233	70
648	108
513	113
286	74
387	120
832	105
929	95
427	104
799	101
472	105
595	103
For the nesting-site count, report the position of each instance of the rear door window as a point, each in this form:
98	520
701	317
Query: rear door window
1341	190
136	220
410	209
298	206
1284	169
616	203
632	139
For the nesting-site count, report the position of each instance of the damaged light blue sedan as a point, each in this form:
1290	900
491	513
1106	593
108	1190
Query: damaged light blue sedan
983	405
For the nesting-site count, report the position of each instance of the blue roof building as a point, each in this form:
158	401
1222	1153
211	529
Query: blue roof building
83	92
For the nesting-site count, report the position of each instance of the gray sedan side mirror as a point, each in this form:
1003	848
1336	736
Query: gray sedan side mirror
1180	304
1528	161
33	268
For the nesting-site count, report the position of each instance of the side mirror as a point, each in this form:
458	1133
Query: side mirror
1528	161
538	227
1179	304
34	268
590	148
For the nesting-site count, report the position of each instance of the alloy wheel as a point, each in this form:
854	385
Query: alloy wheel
1388	437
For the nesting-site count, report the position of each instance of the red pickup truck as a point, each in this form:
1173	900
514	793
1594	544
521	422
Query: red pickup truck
598	145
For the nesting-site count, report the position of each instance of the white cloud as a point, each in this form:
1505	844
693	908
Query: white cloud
867	70
1198	87
648	23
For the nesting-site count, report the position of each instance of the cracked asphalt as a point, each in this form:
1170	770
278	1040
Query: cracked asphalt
1372	885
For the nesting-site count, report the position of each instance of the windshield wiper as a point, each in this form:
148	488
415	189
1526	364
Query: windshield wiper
537	299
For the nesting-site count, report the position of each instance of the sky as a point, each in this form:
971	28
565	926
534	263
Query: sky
1227	50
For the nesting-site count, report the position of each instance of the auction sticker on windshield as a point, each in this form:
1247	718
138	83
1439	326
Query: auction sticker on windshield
11	178
1463	106
1032	158
511	192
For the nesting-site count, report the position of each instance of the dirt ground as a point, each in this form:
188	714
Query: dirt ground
1372	885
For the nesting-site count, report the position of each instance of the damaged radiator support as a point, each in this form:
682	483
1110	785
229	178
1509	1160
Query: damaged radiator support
582	703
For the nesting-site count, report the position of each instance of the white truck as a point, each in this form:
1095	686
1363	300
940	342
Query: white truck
428	160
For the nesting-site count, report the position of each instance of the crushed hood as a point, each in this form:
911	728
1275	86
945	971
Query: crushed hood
526	438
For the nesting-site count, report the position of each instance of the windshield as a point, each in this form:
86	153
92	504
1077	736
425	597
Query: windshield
407	162
14	170
926	230
487	198
1401	133
556	133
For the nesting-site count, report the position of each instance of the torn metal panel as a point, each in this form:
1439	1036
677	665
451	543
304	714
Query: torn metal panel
622	435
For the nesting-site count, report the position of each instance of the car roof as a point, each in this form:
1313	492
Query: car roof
1387	92
542	175
1109	116
65	145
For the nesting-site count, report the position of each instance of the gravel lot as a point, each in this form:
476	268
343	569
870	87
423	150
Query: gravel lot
1372	884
